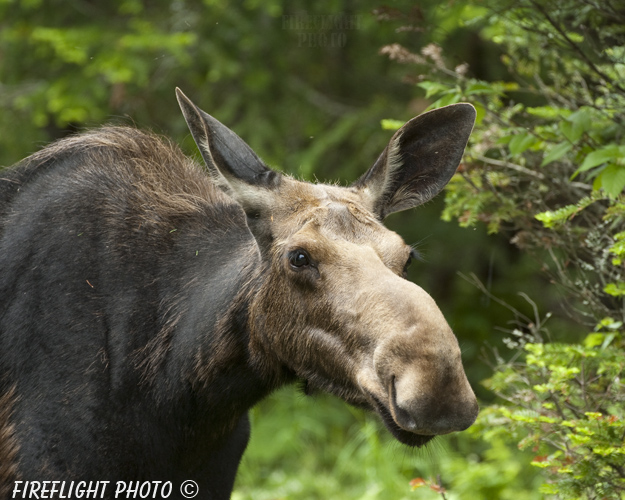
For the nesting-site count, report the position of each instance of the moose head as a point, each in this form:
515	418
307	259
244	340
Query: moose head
334	306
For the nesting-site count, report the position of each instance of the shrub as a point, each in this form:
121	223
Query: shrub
546	165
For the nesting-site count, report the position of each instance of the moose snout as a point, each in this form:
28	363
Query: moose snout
415	378
432	403
419	369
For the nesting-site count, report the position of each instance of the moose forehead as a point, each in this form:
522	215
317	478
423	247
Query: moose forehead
310	212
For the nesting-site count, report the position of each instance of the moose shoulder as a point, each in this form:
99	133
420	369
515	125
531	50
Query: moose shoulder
146	306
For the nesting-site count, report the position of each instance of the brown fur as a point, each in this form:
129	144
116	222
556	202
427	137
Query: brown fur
8	444
293	280
168	183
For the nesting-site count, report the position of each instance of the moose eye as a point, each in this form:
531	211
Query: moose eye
299	258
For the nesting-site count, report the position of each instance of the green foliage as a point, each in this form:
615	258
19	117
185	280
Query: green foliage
313	448
566	405
559	217
546	163
305	106
310	110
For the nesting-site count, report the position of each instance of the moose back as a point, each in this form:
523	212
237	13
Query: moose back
147	303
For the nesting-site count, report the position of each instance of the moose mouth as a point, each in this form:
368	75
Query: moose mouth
372	403
403	436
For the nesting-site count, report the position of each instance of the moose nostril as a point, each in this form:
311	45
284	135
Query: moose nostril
402	417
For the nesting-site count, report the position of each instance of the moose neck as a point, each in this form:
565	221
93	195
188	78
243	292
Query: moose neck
230	374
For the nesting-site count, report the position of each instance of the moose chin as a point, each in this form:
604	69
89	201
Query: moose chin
147	302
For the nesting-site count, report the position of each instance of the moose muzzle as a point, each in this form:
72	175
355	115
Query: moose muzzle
418	383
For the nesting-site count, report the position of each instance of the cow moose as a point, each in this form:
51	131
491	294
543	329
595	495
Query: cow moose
147	303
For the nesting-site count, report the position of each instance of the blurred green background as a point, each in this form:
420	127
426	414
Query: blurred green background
306	86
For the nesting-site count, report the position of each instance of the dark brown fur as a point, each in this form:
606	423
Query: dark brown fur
147	304
167	182
168	187
8	444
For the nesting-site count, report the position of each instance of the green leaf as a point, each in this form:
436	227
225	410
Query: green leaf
612	180
594	340
480	112
521	142
504	139
593	415
432	88
548	112
389	124
552	218
576	124
615	289
481	88
556	152
599	156
610	323
549	488
450	97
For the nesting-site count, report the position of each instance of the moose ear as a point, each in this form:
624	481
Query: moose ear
230	161
419	160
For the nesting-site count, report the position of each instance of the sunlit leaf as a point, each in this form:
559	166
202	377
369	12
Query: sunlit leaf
389	124
615	289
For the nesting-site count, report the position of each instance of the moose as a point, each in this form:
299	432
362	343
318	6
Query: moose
147	302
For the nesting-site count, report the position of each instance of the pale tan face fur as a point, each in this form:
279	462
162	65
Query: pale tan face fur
334	307
379	339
